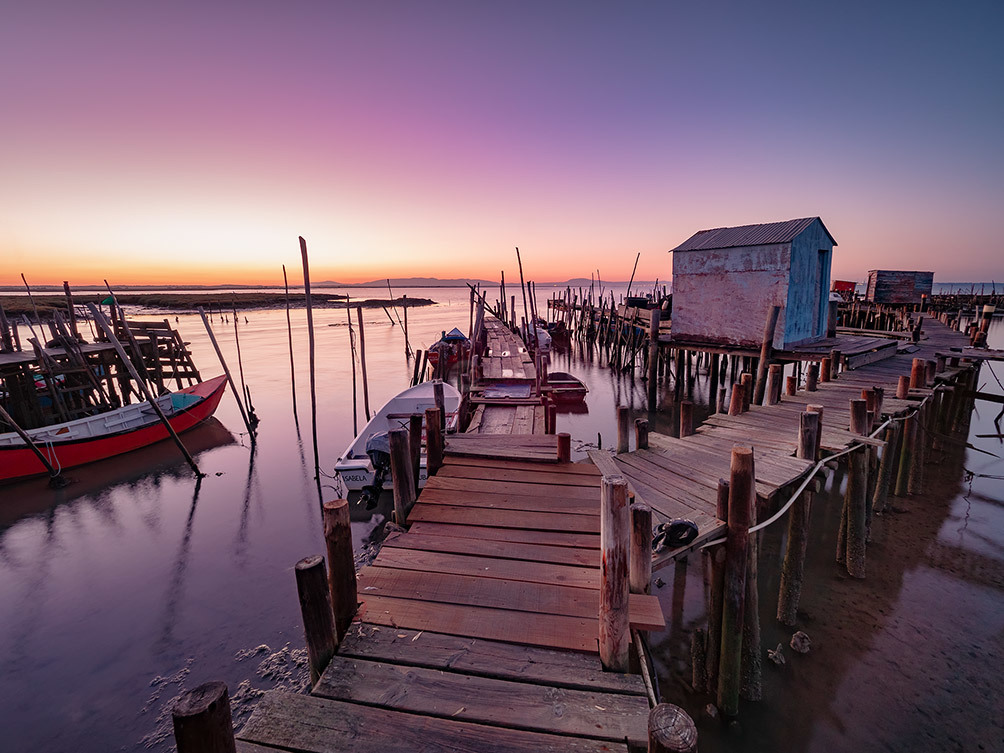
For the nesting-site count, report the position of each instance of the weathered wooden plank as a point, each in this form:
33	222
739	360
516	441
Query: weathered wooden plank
307	724
488	567
522	535
483	700
583	469
436	496
541	521
545	630
562	555
508	661
545	598
539	475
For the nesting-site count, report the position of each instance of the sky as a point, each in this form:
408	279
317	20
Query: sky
181	142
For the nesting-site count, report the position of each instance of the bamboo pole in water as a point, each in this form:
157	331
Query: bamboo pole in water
362	364
289	332
226	371
310	350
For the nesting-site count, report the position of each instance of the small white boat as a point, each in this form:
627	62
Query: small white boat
355	469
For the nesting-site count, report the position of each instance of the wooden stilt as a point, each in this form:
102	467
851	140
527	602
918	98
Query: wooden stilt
615	633
315	608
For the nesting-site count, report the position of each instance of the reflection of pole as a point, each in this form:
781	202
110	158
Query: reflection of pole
110	333
289	331
226	370
310	340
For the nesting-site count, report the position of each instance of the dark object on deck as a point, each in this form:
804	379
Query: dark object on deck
674	534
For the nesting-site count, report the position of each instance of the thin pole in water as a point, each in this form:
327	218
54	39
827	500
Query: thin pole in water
310	340
226	370
362	363
352	357
289	331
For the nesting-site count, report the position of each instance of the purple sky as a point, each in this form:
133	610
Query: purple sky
194	141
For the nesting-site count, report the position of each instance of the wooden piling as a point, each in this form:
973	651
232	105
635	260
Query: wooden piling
315	608
836	363
903	388
856	502
686	418
824	370
641	549
671	730
653	359
415	448
622	429
400	467
310	352
859	417
886	465
203	722
774	375
362	363
741	492
930	369
747	382
564	447
918	374
736	403
793	566
811	377
791	386
615	633
641	433
341	565
765	353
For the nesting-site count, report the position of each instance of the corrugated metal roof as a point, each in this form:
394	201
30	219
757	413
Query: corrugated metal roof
749	235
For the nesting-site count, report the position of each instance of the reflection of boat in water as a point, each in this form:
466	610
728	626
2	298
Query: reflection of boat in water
565	388
107	434
161	460
356	468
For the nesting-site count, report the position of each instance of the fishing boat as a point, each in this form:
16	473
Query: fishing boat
364	463
566	388
104	435
452	345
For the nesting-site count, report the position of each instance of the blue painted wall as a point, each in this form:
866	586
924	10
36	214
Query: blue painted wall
808	286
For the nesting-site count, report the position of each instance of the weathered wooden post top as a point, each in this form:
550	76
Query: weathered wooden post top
726	280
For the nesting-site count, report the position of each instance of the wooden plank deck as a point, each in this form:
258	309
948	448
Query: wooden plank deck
478	627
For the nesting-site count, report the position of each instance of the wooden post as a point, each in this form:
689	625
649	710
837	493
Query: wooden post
315	608
775	372
918	374
747	382
791	386
930	369
415	447
622	429
717	598
857	491
671	730
905	455
433	442
289	333
811	377
859	417
226	370
793	567
641	433
835	364
808	435
400	467
736	403
765	352
310	358
903	388
439	397
824	370
886	464
915	483
564	447
653	359
686	418
741	491
641	548
713	378
615	633
817	409
552	417
203	722
721	400
699	660
341	565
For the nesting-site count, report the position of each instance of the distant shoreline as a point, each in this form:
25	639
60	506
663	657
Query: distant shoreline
16	306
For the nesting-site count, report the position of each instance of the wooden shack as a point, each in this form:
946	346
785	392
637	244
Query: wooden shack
894	286
726	280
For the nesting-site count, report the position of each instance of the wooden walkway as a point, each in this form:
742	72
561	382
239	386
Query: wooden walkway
678	478
478	627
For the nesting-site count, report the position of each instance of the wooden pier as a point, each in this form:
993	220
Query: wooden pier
479	627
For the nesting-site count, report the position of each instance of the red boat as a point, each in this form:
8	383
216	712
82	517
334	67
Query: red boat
108	434
452	345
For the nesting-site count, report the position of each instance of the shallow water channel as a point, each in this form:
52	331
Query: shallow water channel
134	583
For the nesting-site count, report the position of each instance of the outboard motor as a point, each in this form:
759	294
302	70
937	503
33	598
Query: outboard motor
378	449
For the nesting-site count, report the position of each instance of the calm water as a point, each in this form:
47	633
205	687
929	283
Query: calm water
133	584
